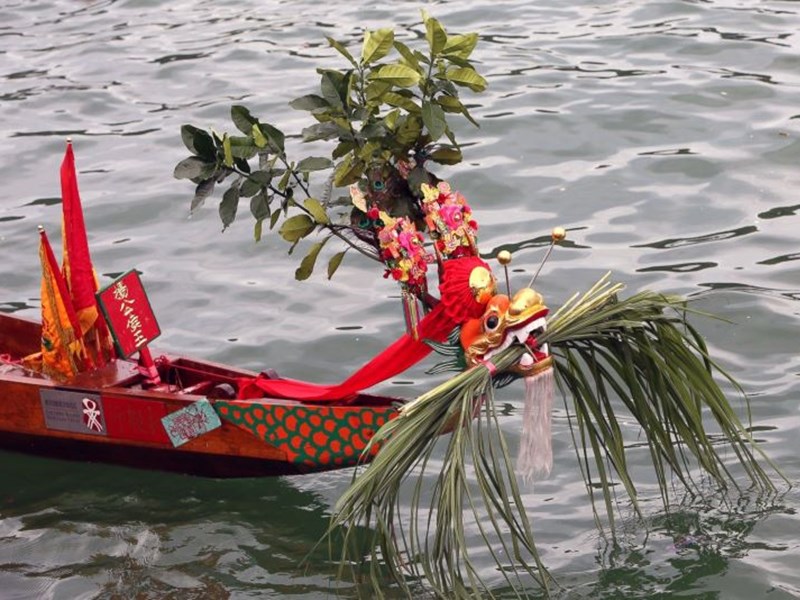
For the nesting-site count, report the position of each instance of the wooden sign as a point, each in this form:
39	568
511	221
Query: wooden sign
128	313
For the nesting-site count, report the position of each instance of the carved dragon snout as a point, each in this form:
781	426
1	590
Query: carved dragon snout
520	319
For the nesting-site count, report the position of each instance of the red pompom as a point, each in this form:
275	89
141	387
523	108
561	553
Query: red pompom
457	296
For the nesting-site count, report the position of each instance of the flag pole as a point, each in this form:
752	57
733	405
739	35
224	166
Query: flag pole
147	367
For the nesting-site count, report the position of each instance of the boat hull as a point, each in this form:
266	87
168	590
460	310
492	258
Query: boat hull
109	416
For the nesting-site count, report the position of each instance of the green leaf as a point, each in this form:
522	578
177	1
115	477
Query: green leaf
273	219
317	211
203	190
342	149
434	33
284	179
409	58
321	131
242	119
309	102
308	262
446	156
262	177
334	88
401	101
399	75
250	187
467	77
341	50
296	227
314	163
375	92
259	206
229	205
259	139
334	262
433	119
409	130
390	120
460	46
348	171
258	230
226	146
274	135
453	105
242	147
187	136
192	168
377	44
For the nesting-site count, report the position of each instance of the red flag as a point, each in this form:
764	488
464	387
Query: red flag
77	264
78	269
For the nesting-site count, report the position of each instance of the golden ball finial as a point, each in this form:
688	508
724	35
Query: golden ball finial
559	233
504	257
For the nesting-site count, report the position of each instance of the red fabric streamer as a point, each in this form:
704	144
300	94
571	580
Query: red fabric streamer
401	355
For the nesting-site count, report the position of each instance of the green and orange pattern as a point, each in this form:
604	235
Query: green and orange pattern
313	436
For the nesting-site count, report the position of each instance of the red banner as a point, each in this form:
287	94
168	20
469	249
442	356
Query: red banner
128	313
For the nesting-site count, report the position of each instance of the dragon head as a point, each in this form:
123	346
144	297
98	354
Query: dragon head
505	321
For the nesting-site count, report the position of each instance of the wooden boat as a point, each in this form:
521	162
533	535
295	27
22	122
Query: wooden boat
110	415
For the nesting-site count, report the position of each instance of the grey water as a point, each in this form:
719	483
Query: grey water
664	135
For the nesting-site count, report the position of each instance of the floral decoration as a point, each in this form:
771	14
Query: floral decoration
403	252
449	219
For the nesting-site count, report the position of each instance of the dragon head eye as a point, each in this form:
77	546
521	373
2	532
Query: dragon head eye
491	322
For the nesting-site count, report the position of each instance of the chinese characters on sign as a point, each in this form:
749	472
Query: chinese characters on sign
128	313
191	422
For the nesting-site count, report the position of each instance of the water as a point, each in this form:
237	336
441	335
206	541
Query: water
663	135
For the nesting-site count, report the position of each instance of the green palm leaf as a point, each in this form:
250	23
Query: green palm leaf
637	356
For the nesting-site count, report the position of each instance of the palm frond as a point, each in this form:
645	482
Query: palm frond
637	356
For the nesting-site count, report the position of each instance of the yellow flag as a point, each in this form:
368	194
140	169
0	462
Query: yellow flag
61	344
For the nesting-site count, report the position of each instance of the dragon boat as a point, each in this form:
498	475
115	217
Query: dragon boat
113	415
70	388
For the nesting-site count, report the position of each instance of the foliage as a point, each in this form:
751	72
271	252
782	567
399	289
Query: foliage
387	113
616	359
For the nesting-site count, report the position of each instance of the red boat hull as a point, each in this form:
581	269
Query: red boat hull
108	416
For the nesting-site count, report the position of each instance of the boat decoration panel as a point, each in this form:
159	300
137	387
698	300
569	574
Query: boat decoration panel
313	435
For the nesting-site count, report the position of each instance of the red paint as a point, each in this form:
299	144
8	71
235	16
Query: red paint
309	449
315	420
354	422
261	430
329	425
135	419
344	433
290	422
305	429
320	439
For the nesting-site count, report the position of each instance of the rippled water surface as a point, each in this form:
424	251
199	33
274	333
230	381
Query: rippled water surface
665	135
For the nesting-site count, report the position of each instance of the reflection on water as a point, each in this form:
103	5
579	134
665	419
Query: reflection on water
648	130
